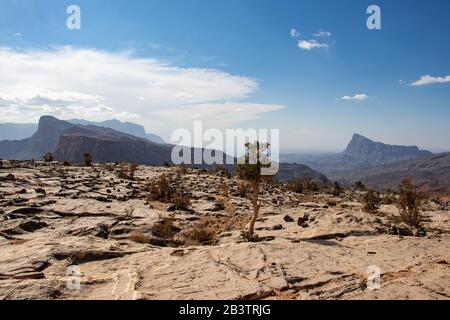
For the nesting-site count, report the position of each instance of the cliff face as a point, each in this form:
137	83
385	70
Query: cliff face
44	140
380	153
106	145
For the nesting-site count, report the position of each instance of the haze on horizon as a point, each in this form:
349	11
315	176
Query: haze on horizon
317	75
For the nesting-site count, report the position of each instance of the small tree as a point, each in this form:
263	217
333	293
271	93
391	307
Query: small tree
87	160
336	191
371	202
409	203
48	157
250	171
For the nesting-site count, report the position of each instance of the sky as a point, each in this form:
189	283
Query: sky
310	68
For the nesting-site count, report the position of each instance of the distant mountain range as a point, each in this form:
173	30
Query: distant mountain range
20	131
69	141
361	153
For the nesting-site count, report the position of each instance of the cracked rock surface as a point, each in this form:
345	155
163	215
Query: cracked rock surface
315	246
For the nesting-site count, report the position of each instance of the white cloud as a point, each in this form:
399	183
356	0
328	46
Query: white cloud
17	34
356	97
71	82
311	44
323	34
425	80
295	33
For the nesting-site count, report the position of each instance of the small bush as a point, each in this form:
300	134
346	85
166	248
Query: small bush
48	157
359	186
242	189
296	185
87	160
161	190
127	171
409	204
371	202
165	228
389	198
336	190
202	233
180	200
182	169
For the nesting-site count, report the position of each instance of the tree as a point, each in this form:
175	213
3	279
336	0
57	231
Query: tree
48	157
371	202
409	203
250	171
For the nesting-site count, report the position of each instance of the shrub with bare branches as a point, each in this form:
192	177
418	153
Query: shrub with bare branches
409	203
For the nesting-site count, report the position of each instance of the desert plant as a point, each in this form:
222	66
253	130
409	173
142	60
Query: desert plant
389	198
242	189
160	190
48	157
87	160
127	171
359	186
296	185
250	171
165	228
225	188
371	202
181	169
202	233
409	203
336	190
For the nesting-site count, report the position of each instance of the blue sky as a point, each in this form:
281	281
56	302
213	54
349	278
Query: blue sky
235	61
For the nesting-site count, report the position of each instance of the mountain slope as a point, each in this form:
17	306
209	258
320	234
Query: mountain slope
107	145
125	127
431	173
44	140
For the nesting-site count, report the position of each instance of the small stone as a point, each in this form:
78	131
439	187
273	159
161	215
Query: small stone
288	218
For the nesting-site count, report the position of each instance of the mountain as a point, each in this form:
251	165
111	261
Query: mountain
107	145
125	127
290	171
19	131
44	140
431	173
377	153
360	153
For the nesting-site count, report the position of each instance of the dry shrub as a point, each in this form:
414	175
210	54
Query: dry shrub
409	204
359	186
161	190
336	190
87	159
180	200
389	198
242	189
165	228
221	171
181	169
371	202
127	171
48	157
296	185
202	233
225	189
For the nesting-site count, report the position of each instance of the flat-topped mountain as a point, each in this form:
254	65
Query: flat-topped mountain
380	153
360	153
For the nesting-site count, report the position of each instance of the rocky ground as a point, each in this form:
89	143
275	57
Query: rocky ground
70	232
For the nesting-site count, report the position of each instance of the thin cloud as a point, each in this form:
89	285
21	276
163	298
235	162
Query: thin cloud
356	97
311	44
323	34
295	33
427	80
